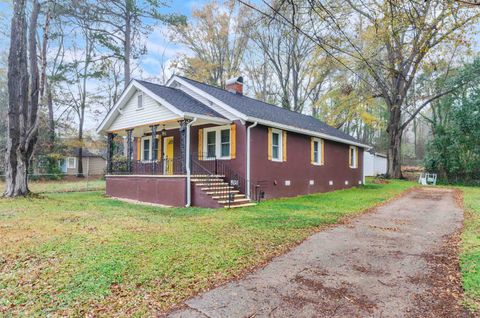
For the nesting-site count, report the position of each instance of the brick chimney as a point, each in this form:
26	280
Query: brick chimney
235	85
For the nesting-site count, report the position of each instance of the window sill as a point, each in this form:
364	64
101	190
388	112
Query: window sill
210	159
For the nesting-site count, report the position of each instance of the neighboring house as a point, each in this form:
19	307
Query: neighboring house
216	147
93	164
374	164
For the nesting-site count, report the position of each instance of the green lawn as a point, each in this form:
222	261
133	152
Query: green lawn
470	249
73	253
63	186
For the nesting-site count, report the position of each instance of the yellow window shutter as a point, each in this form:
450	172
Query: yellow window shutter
233	141
312	161
159	148
200	144
284	146
322	159
269	143
350	156
139	148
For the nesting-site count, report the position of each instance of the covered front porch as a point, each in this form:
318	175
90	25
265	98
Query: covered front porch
165	148
182	162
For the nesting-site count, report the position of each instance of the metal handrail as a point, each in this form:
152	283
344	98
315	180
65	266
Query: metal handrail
234	180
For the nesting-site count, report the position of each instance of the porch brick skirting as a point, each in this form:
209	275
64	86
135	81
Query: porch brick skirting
166	190
159	189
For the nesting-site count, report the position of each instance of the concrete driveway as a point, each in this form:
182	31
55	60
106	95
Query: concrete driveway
398	261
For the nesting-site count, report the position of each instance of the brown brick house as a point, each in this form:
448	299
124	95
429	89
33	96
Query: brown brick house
190	143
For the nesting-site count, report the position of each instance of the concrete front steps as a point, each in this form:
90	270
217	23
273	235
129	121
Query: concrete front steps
216	187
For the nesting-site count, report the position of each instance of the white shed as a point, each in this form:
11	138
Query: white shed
374	164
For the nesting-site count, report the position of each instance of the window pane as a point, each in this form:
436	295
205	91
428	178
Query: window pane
146	149
225	136
211	144
315	152
225	150
211	151
275	152
275	138
225	139
140	101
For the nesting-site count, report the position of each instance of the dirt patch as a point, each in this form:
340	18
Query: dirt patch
380	181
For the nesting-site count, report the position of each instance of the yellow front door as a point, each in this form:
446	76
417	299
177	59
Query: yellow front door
168	146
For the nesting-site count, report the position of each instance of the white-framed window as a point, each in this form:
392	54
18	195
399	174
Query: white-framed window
353	157
277	145
317	151
139	100
71	162
146	148
216	142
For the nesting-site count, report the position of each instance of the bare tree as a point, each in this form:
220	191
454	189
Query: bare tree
397	39
87	65
23	90
123	25
288	54
217	37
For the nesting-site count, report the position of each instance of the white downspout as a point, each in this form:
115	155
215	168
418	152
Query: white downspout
363	165
189	188
248	158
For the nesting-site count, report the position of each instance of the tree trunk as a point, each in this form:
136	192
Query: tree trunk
51	120
23	100
395	133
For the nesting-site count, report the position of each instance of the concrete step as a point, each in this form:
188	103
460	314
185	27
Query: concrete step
225	196
201	176
235	201
240	205
213	188
214	192
207	180
212	184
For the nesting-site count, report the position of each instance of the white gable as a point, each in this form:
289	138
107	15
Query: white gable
131	116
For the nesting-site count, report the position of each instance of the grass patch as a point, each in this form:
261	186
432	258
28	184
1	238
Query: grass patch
85	184
470	248
74	253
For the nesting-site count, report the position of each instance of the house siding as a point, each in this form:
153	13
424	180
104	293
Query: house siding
298	169
92	166
151	112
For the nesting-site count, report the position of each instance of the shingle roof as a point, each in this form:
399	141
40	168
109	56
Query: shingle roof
85	153
179	99
261	110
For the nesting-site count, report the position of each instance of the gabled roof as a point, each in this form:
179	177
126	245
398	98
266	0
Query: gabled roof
174	99
256	109
85	153
179	99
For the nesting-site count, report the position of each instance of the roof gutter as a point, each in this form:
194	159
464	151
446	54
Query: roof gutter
307	132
